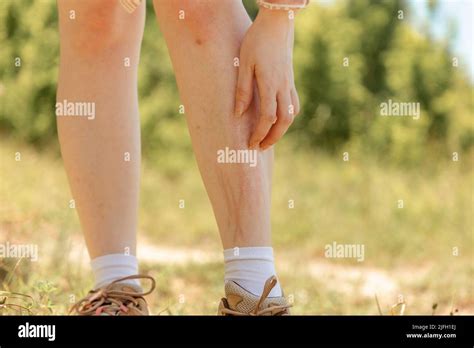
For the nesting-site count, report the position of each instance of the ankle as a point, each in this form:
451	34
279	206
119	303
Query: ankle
250	267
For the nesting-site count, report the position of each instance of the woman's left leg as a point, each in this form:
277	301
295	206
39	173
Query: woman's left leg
203	39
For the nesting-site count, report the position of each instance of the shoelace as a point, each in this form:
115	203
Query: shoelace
111	301
272	309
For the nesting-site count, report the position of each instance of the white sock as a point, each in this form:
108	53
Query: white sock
111	267
250	267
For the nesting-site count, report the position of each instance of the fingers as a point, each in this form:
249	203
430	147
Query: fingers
244	91
268	110
285	115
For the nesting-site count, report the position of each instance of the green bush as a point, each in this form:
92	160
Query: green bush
387	59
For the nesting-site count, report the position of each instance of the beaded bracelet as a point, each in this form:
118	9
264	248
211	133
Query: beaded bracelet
286	7
131	5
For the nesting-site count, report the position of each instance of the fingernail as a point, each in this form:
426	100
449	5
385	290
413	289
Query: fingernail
239	109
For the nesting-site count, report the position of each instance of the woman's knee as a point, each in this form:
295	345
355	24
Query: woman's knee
91	27
203	19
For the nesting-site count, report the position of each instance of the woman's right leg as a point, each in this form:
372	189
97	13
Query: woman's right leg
102	152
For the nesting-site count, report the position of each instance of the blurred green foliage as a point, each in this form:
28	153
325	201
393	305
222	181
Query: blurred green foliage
387	59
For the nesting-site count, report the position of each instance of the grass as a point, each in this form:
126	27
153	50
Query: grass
408	251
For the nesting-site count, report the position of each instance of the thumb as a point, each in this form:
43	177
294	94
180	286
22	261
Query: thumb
244	91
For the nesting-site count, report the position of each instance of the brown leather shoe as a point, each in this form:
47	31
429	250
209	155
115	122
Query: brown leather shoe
116	299
239	301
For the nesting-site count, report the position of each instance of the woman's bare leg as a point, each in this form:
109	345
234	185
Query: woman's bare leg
203	46
102	155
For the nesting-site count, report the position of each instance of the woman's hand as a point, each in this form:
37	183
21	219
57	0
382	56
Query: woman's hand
266	55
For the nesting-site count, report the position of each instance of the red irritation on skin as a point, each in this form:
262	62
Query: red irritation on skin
99	26
199	17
